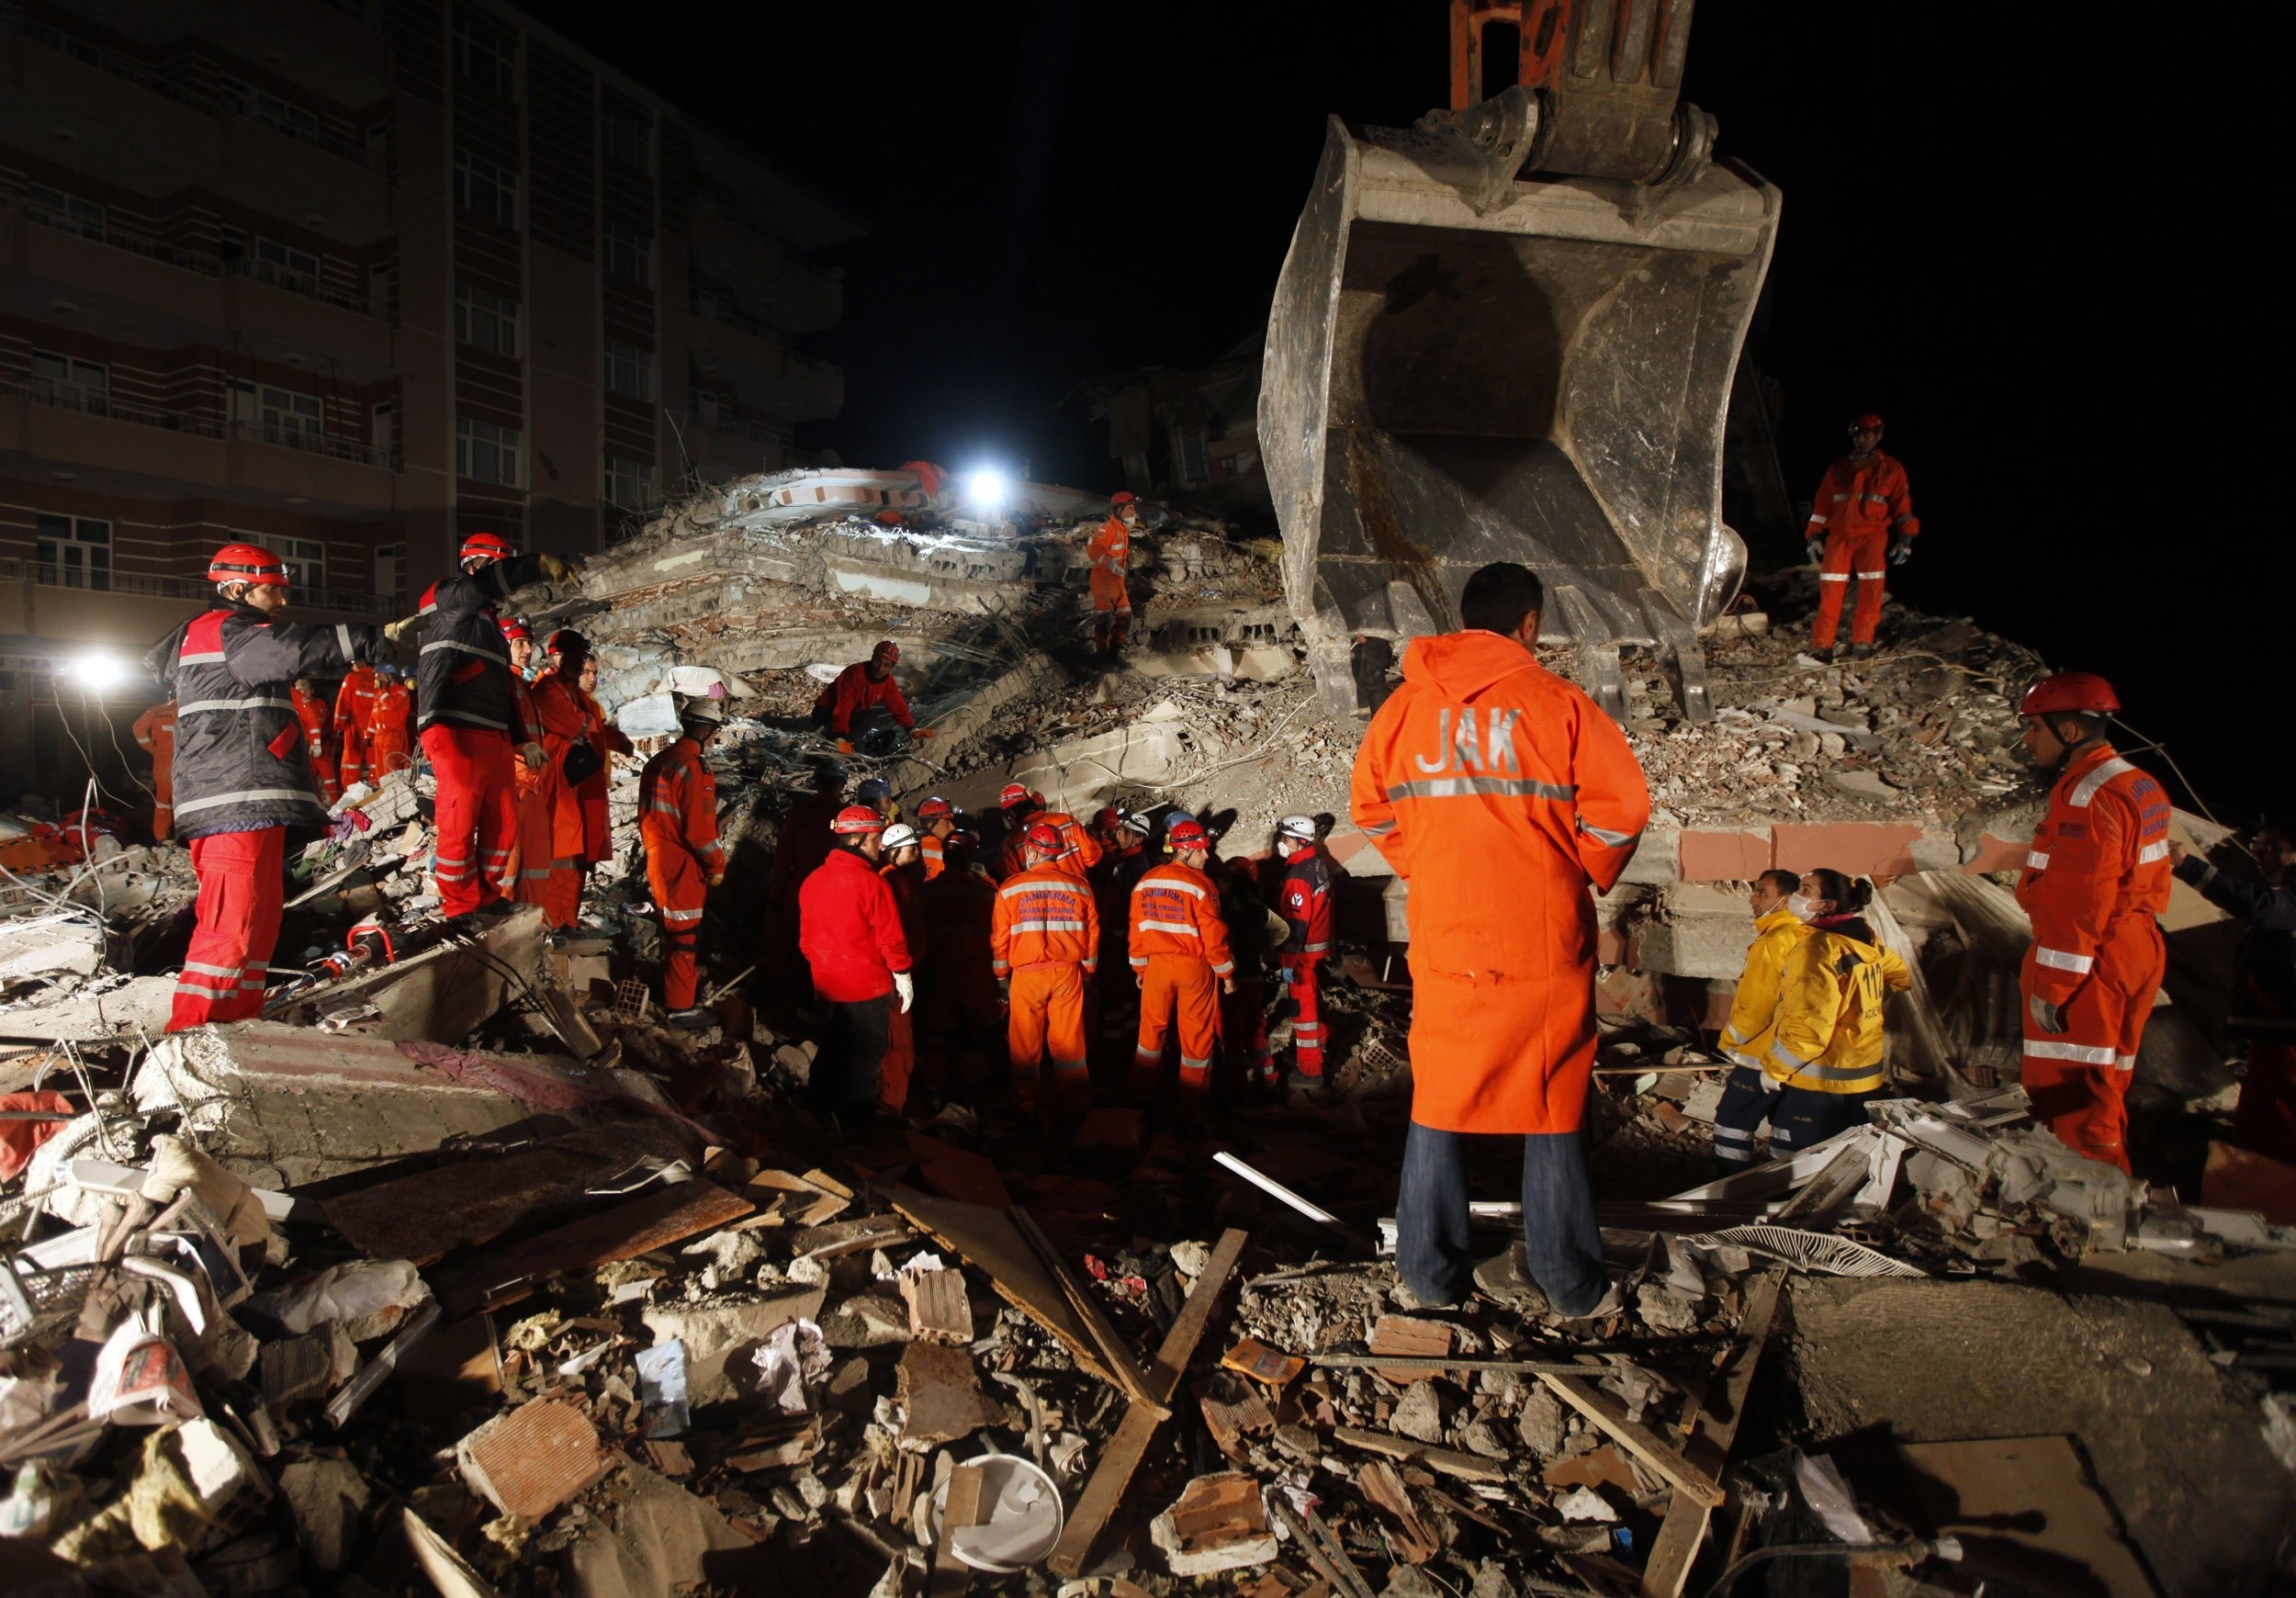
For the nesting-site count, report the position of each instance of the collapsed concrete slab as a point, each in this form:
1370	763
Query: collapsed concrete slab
440	993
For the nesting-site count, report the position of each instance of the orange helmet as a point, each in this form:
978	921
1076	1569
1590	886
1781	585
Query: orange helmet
1013	794
249	563
1122	496
491	545
1045	839
1190	835
936	807
1865	422
2070	693
857	819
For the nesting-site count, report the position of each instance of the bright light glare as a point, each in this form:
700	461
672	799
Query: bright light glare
985	489
97	672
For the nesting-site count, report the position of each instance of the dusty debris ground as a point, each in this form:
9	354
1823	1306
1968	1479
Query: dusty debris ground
464	1272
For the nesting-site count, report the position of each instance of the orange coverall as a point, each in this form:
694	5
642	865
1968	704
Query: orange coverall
1045	937
155	731
579	833
677	817
355	716
1499	792
1179	948
907	884
319	737
2097	876
537	801
1082	853
1860	503
1111	552
389	743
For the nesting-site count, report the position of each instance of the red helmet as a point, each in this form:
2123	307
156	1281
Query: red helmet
492	544
568	642
1122	496
1865	422
1013	794
933	809
887	652
248	563
1045	839
1108	818
2070	693
857	819
1190	835
513	630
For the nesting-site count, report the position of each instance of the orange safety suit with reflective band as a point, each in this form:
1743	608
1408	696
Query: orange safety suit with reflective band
389	741
319	738
155	731
1112	553
2096	877
677	817
907	884
1861	502
1829	1034
537	801
1304	900
354	714
1500	793
1045	936
579	834
928	849
1179	947
1083	851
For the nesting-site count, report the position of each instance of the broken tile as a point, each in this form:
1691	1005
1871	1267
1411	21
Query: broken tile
532	1459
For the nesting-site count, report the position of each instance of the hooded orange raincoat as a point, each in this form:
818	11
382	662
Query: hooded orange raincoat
1500	793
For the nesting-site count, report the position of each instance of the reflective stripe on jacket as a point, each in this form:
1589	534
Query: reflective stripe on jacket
1176	910
1304	900
1082	852
1753	1022
677	807
1044	917
463	675
1856	498
1829	1036
2101	856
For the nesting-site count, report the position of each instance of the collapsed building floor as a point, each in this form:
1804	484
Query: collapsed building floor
462	1271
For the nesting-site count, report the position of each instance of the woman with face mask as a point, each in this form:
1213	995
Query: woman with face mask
1825	1054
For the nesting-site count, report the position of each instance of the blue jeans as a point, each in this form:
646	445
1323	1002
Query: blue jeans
1799	1118
1561	1240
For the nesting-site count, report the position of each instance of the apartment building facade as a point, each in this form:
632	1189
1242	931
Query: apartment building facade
351	279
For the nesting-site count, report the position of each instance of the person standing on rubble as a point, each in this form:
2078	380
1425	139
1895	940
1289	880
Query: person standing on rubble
1500	792
537	778
850	931
155	732
390	735
579	744
1251	940
1180	963
901	864
1750	1091
1110	552
677	820
865	699
464	715
2264	982
355	716
1861	523
310	709
1045	945
938	819
958	1012
1827	1046
1024	809
2096	878
1304	900
243	772
1123	861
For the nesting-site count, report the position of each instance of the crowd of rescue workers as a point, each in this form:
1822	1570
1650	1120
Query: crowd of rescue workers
919	947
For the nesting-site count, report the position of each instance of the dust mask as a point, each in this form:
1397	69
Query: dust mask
1800	906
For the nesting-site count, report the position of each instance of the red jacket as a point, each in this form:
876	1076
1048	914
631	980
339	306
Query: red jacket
1305	903
1863	498
2099	864
853	693
850	930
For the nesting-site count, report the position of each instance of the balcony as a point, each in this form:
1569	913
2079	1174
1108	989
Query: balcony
340	602
793	295
753	358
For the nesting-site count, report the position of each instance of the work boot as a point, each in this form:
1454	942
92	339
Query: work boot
1412	1301
1823	657
1860	651
1613	1300
1507	1278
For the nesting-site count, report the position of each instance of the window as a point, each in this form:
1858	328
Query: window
629	252
75	551
287	266
67	211
387	558
486	56
266	108
629	140
629	484
306	559
629	370
71	384
486	322
487	190
276	415
485	452
711	407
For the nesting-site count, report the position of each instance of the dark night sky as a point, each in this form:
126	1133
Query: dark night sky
1992	235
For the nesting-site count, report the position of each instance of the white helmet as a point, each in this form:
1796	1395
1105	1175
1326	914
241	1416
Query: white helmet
697	709
900	835
1299	826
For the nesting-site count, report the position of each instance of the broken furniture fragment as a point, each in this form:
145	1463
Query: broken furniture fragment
653	1219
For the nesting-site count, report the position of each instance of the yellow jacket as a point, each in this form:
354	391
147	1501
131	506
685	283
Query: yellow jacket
1754	1008
1828	1038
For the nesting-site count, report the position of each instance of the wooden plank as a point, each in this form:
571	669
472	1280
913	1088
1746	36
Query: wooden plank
1683	1531
1113	1350
640	1225
951	1574
1450	1461
1125	1449
1637	1438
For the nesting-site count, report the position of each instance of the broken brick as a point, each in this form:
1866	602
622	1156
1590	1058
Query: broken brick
1219	1522
940	1309
537	1457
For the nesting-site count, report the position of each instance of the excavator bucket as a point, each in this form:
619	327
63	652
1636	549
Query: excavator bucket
1465	366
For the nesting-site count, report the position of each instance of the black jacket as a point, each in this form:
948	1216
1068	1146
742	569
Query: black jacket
463	676
2267	955
241	758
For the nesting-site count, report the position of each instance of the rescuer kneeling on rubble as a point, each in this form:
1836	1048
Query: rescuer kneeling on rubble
849	928
243	769
1824	1061
1747	1095
864	704
1499	792
677	817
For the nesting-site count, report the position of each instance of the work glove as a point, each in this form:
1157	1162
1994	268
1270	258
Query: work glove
398	631
920	732
1292	976
1900	549
1814	548
560	567
2049	1018
718	881
1771	1083
534	756
905	985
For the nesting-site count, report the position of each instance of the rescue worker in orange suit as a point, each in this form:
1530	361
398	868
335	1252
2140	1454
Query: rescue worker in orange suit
1111	553
1827	1042
1178	948
863	699
390	734
1304	899
570	718
958	1013
354	714
243	769
310	709
1044	944
1023	809
1500	793
2097	876
937	818
901	864
466	714
2263	1008
155	732
677	819
537	778
1861	523
850	931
